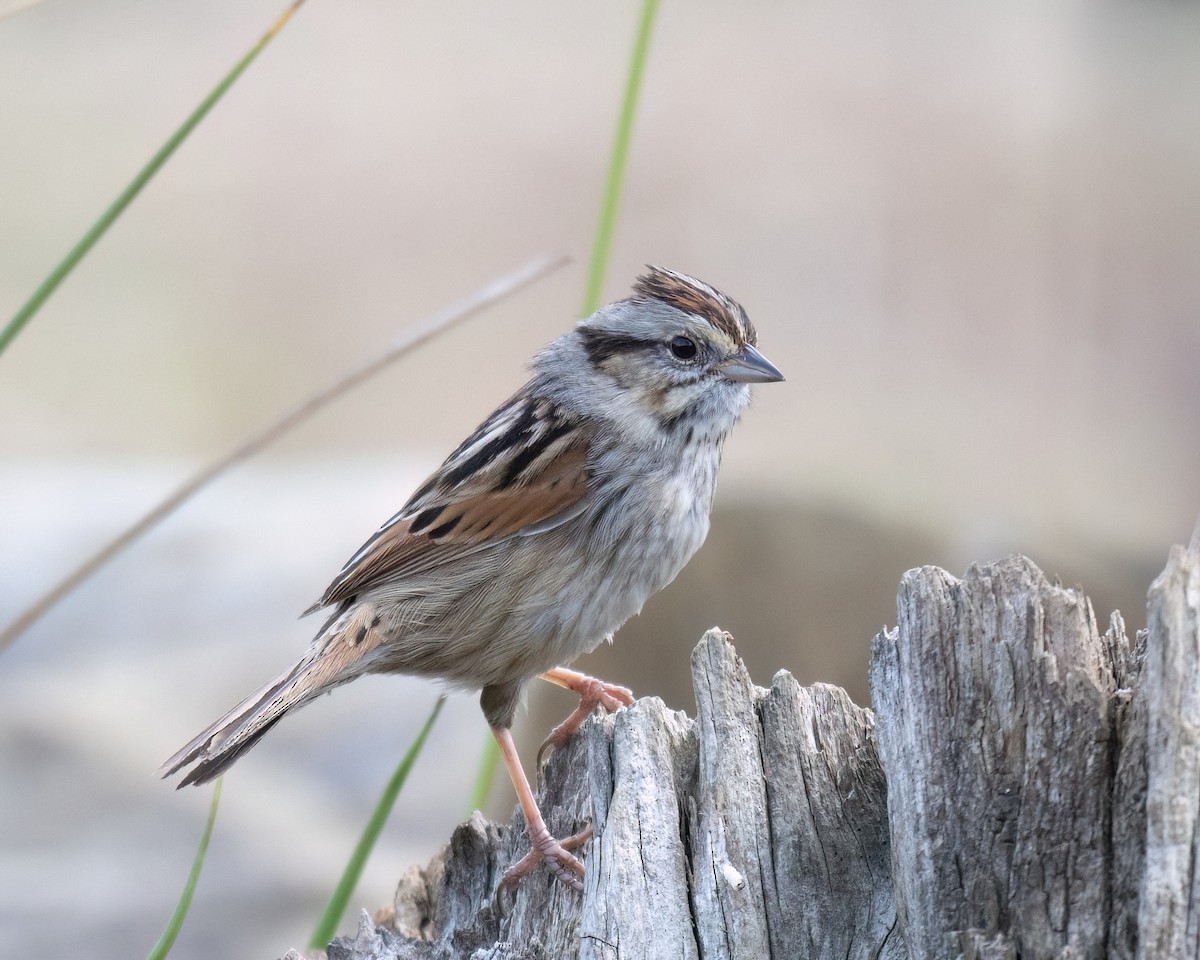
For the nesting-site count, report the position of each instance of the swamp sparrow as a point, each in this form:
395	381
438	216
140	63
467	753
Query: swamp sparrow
547	529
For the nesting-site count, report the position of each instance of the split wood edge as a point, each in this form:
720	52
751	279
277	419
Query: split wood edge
1027	786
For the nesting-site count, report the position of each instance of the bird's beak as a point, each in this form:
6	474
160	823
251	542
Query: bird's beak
750	366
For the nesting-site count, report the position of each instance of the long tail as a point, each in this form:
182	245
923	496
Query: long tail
340	653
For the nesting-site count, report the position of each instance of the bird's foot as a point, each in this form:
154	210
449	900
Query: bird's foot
563	864
592	693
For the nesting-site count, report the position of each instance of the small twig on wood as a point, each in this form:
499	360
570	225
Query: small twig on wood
488	295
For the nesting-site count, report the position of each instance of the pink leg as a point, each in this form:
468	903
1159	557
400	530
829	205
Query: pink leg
563	864
592	692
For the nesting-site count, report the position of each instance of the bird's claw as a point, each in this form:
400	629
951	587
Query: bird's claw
592	693
563	864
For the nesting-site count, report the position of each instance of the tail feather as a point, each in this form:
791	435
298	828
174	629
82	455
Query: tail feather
212	767
336	657
222	742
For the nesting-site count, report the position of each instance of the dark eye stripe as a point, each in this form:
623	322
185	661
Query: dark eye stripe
603	346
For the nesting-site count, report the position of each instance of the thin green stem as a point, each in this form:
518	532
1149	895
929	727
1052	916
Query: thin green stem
117	207
597	267
167	940
336	907
616	165
489	760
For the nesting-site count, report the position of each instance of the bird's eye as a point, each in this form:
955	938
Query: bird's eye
683	348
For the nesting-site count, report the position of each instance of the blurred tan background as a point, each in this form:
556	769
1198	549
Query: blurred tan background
969	237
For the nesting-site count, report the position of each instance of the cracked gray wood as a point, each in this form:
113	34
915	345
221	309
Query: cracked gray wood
1169	909
1022	749
995	702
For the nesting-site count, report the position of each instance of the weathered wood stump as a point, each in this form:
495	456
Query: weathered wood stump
1027	787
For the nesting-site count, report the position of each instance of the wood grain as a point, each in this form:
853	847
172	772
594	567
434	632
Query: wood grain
1027	787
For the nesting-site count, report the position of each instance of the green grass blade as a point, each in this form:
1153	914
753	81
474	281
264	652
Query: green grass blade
597	267
327	926
488	762
117	207
167	940
602	244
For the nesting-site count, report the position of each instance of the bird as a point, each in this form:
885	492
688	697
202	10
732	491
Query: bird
578	498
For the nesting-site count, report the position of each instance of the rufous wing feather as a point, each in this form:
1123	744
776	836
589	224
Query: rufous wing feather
522	472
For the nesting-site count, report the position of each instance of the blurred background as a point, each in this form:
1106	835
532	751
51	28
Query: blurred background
968	235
